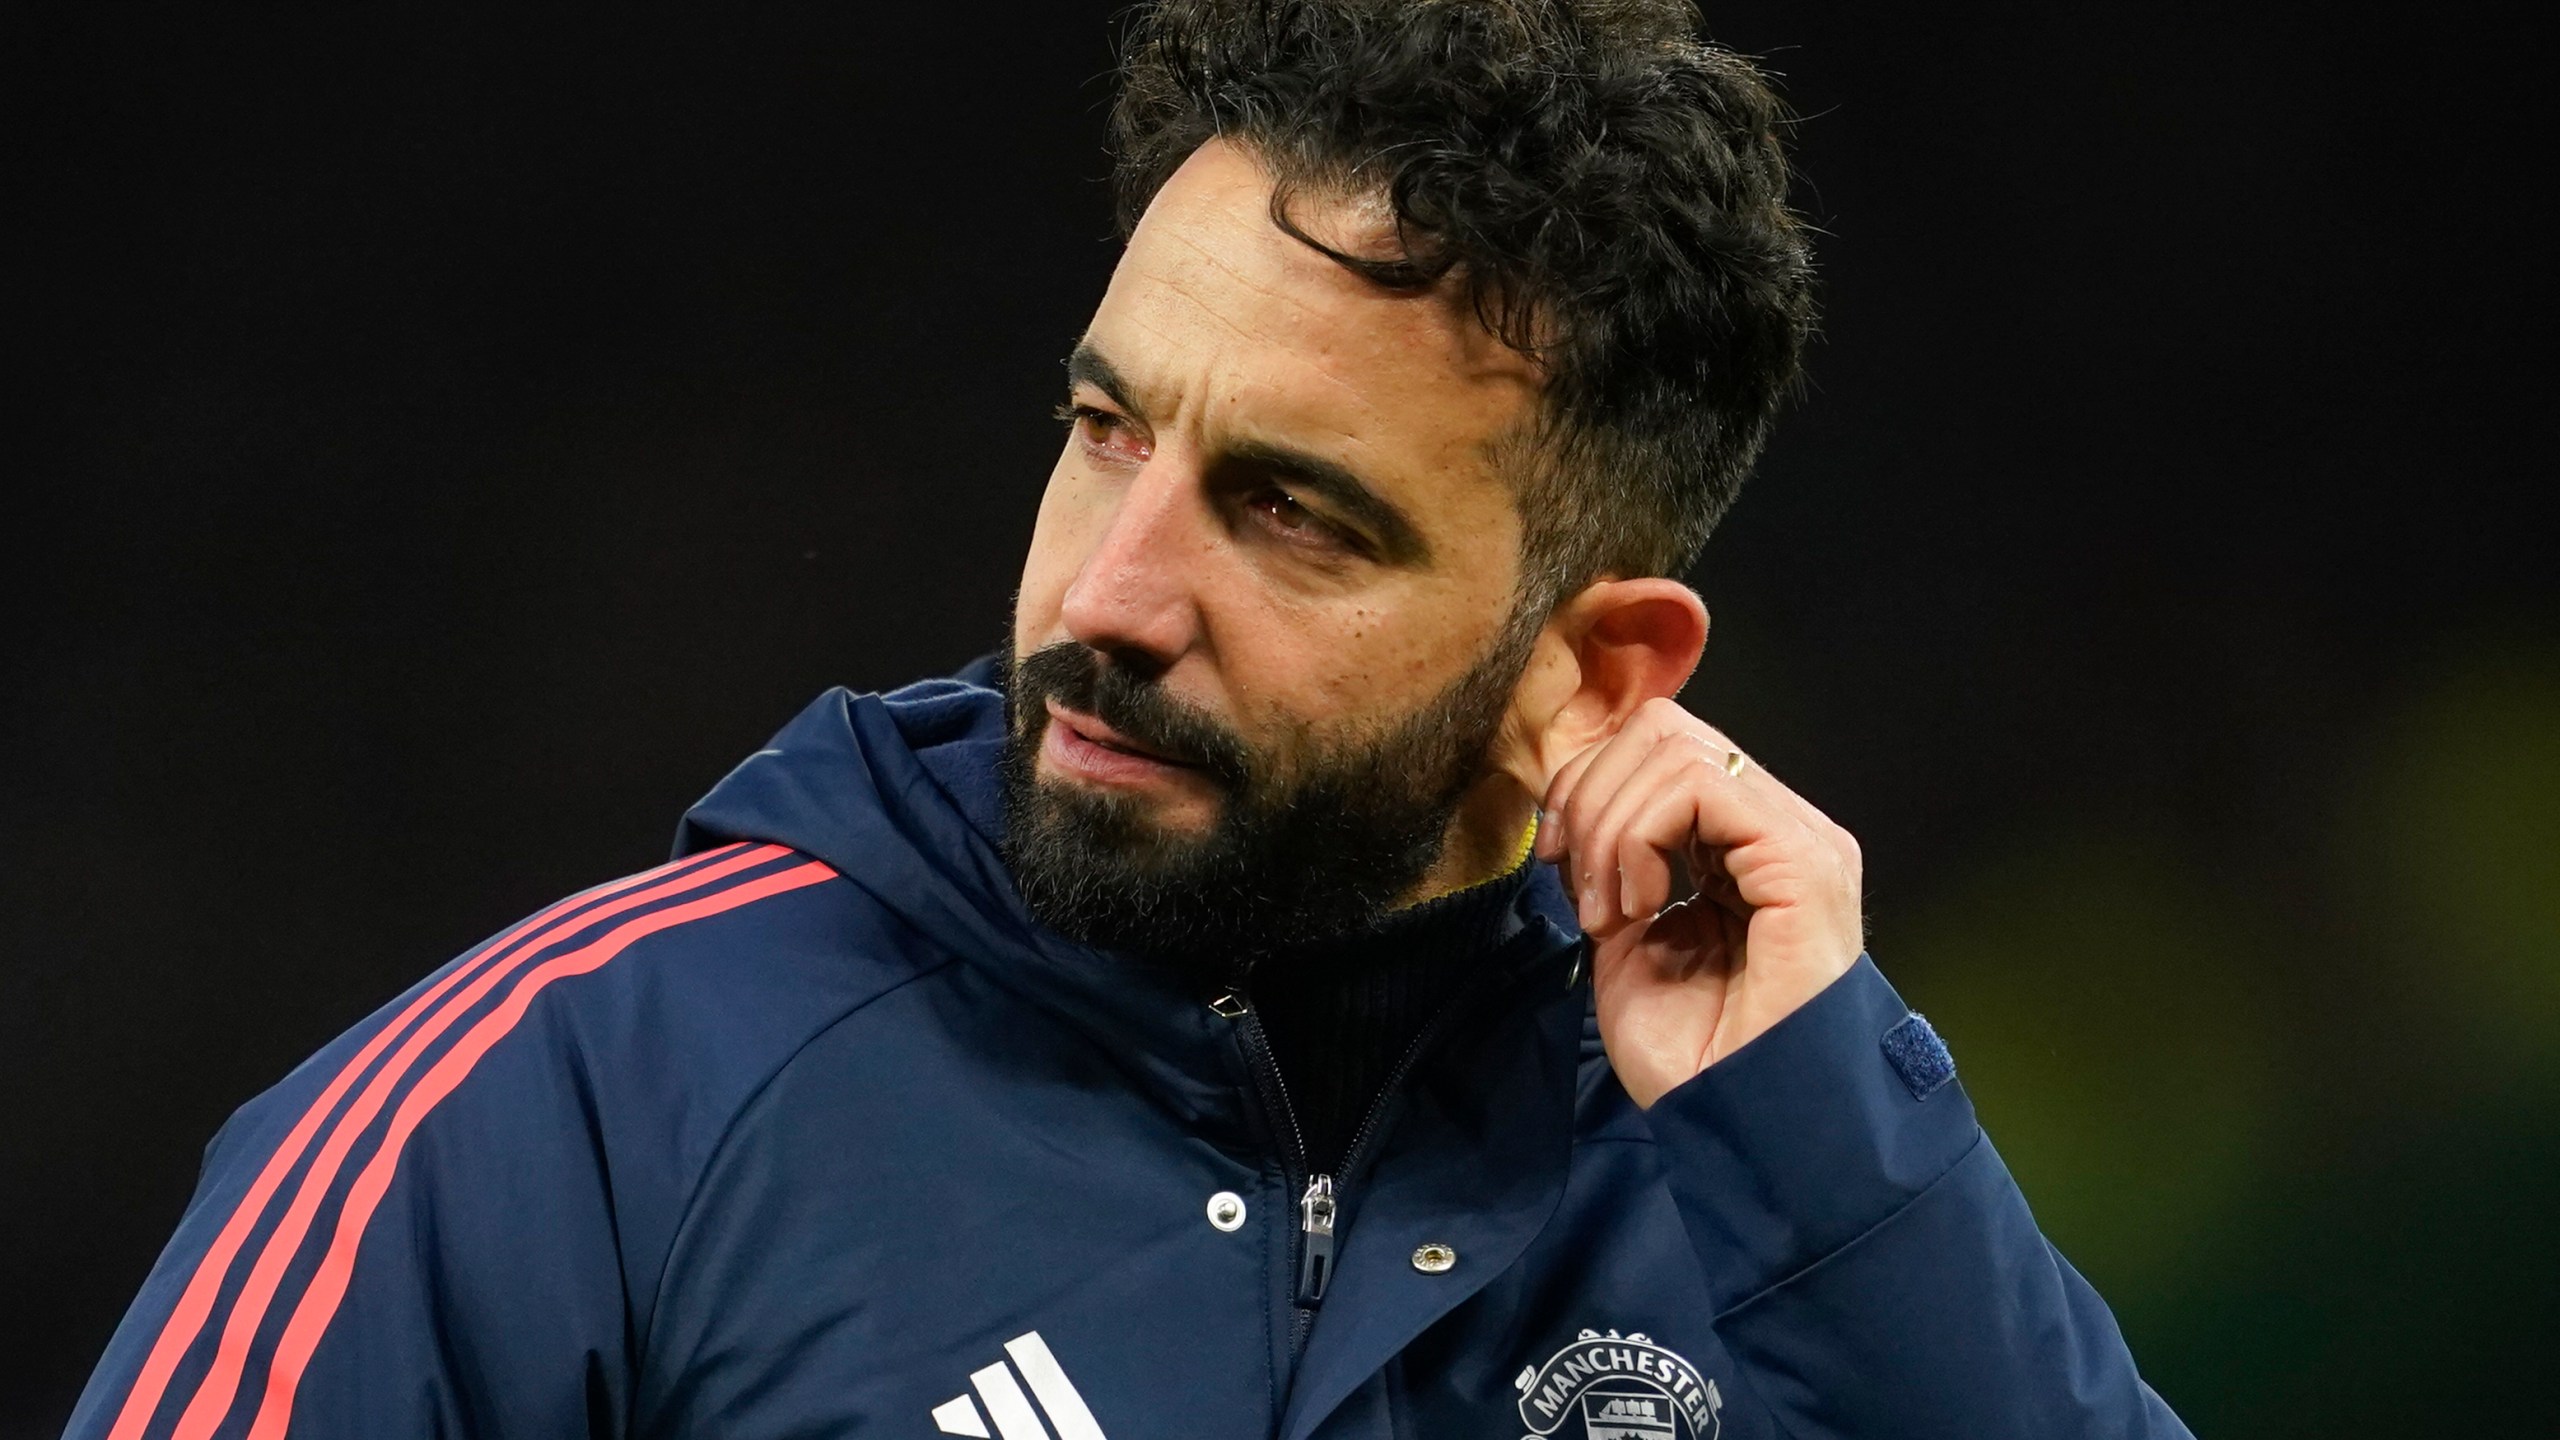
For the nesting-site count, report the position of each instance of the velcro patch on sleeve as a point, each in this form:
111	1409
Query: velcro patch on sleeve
1918	1055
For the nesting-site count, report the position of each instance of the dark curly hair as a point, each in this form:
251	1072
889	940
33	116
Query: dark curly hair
1607	187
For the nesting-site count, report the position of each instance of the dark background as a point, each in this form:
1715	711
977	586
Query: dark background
442	446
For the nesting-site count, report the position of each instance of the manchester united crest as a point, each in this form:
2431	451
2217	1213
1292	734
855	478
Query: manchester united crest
1621	1387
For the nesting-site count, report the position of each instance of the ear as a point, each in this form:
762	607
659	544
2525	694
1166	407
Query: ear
1603	654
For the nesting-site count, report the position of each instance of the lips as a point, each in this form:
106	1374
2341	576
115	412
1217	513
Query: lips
1096	732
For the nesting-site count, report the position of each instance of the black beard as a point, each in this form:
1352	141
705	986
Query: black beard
1307	845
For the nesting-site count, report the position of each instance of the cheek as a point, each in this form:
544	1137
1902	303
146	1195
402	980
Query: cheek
1059	544
1365	663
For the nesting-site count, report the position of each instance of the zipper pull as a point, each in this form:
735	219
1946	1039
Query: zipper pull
1315	1261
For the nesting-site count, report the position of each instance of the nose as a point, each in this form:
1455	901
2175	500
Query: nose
1135	598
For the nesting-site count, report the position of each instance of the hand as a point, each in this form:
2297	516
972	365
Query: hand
1683	980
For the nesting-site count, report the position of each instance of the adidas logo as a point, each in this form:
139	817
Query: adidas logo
1014	1413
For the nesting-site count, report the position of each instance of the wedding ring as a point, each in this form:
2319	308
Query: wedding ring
1734	761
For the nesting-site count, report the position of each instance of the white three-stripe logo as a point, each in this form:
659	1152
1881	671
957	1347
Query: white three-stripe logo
1015	1416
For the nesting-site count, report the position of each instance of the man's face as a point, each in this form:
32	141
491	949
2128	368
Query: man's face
1262	630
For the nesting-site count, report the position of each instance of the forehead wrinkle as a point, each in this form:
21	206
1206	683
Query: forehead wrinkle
1470	352
1331	276
1190	290
1209	255
1332	359
1321	363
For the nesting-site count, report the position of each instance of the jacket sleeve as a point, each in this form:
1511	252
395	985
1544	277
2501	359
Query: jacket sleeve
1870	1260
410	1235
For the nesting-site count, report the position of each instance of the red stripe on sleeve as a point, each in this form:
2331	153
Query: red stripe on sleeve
215	1393
196	1302
329	1284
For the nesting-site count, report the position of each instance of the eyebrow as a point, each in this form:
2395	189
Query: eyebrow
1337	485
1086	366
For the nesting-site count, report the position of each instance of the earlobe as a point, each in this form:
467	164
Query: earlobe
1608	650
1547	685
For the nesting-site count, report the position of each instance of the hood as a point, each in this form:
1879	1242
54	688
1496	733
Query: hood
901	794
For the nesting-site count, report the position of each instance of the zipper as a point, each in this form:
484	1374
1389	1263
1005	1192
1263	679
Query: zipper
1394	1082
1316	1204
1266	1077
1234	1005
1319	1203
1315	1240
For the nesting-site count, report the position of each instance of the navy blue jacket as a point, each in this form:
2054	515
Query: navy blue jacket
816	1132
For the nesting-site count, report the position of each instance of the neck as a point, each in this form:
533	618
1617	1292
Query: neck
1487	839
1340	1015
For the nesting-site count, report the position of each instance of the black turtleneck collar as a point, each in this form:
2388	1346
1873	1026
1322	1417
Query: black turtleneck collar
1339	1016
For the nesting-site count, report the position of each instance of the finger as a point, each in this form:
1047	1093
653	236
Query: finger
1707	812
1584	788
1825	833
1735	761
1726	896
1642	866
1758	777
1635	739
1640	729
1550	844
1570	776
1593	863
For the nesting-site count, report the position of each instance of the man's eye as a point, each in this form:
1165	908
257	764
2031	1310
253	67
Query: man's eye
1283	510
1086	420
1096	428
1280	513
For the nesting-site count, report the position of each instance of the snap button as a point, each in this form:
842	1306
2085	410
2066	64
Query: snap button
1434	1258
1226	1210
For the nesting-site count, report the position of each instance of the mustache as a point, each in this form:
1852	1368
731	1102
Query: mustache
1085	680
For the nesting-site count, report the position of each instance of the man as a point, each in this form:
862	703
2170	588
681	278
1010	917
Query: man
1318	984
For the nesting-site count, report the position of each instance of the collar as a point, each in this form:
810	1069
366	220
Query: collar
901	795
